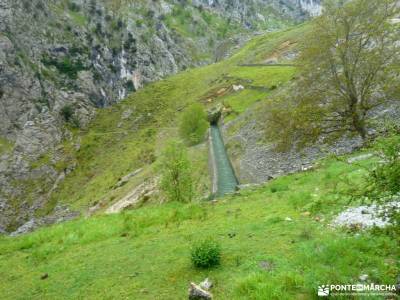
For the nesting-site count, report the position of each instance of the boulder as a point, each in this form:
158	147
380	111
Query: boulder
237	88
206	284
363	277
360	158
364	216
124	180
138	195
197	293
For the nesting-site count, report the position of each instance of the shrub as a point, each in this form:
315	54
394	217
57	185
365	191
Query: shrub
74	7
385	177
194	124
139	23
206	254
65	66
176	179
67	113
393	228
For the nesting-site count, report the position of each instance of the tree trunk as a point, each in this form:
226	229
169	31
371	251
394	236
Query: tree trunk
358	118
359	125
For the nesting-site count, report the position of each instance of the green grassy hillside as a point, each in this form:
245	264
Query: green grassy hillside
276	239
145	253
114	145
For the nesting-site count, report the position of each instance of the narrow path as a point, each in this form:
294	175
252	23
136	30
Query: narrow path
225	176
267	65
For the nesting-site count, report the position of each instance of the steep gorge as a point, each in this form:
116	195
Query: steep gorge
60	60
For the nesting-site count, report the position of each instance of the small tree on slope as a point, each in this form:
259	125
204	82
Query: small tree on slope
193	124
176	180
349	65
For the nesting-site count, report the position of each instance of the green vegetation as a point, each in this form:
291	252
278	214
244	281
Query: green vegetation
239	102
268	242
68	114
260	82
348	67
5	145
78	18
189	22
206	254
113	147
265	76
66	66
43	160
175	169
265	256
194	124
385	177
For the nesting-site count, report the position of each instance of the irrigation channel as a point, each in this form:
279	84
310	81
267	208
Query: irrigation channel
224	179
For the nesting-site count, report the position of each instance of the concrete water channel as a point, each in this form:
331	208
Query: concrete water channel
224	179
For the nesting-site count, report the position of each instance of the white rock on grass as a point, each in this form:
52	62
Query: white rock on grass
197	293
363	277
237	88
360	158
366	216
206	284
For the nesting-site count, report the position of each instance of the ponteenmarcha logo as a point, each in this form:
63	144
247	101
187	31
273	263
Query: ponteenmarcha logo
370	289
323	290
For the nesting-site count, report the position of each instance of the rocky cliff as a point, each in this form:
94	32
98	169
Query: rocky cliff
254	13
60	60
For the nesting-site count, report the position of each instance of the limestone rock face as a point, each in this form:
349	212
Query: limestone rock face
256	160
251	12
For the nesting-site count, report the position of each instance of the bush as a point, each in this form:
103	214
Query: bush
66	66
67	113
384	179
176	179
74	7
193	124
206	254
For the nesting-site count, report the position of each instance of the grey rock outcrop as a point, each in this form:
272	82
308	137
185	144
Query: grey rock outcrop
197	293
141	193
256	160
367	216
250	13
60	214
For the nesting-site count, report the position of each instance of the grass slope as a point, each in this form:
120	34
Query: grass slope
145	254
114	145
5	146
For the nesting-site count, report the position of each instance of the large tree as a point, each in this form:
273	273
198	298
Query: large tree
348	66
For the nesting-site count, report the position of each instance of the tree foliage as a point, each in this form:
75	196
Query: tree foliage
176	179
194	124
348	66
385	177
